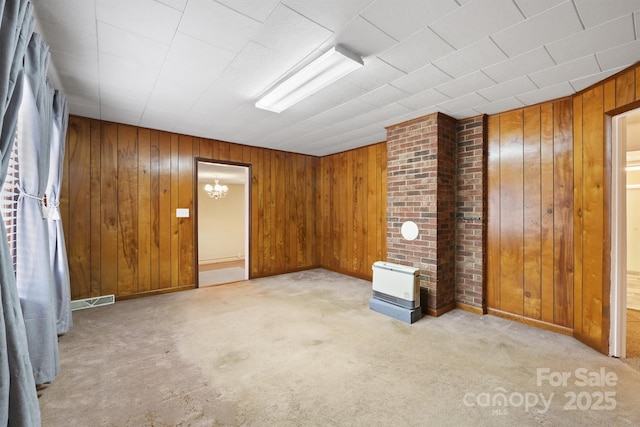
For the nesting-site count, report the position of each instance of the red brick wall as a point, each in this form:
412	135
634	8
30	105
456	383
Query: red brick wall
421	188
471	211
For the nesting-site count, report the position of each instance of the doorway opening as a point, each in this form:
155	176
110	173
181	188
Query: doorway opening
222	222
625	236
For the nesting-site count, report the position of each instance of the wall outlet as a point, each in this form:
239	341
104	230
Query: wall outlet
182	213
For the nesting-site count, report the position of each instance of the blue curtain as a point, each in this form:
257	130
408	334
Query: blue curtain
18	398
34	276
57	249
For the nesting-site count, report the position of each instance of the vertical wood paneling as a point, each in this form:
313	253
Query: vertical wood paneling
547	211
109	206
127	209
532	214
78	232
352	210
593	212
154	202
165	212
563	214
96	209
625	88
493	212
578	185
511	213
186	257
144	210
125	183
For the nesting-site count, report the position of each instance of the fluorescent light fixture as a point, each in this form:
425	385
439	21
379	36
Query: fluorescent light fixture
332	65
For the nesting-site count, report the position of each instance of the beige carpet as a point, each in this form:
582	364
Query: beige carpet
304	349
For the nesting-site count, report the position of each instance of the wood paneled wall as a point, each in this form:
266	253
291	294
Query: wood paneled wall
593	110
122	185
353	210
530	214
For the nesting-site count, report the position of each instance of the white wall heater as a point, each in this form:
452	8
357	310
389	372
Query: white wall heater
396	284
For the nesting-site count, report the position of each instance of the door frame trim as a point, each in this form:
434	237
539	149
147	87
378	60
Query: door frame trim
247	213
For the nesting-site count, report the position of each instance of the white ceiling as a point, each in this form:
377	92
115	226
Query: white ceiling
198	66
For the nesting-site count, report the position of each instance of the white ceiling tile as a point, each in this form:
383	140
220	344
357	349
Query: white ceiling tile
159	119
500	106
340	92
127	15
388	114
374	74
533	7
256	9
585	82
131	47
79	15
547	27
463	85
126	75
476	20
520	65
255	69
176	4
218	25
120	114
343	111
547	93
113	98
363	38
508	88
464	102
401	22
167	95
291	34
331	14
416	51
471	58
595	12
619	56
79	67
424	99
382	96
613	33
312	105
585	66
194	63
61	40
217	100
81	109
421	79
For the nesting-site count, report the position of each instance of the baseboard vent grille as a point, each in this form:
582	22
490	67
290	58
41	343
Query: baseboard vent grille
81	304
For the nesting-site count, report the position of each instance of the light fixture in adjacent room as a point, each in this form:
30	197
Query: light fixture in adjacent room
216	191
331	66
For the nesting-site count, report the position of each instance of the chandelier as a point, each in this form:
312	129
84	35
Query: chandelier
216	191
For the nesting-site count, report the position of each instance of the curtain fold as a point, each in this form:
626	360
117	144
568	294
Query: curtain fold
33	272
57	249
18	398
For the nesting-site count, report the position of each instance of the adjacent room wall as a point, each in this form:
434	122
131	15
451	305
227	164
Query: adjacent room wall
121	188
221	225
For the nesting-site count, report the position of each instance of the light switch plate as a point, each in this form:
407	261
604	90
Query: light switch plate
182	213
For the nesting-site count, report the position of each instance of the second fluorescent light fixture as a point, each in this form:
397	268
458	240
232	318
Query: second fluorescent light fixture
332	65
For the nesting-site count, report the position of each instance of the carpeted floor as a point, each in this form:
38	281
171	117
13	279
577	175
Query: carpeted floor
304	349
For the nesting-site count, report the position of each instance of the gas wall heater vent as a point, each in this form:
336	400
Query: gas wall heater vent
81	304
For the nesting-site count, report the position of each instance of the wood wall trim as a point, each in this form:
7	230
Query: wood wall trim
471	308
531	322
